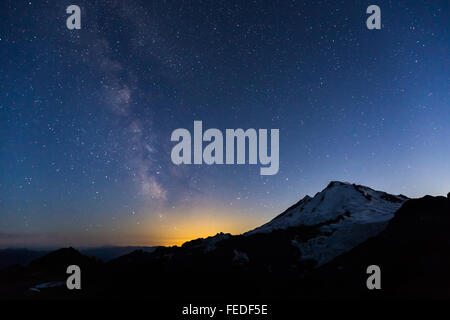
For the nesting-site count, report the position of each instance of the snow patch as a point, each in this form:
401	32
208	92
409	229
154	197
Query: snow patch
240	257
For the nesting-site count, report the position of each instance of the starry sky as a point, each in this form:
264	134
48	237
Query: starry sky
86	115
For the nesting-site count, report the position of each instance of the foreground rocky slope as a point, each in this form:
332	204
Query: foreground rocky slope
413	253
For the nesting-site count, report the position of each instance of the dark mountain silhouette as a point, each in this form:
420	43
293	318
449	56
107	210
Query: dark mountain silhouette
22	256
318	248
49	269
108	253
19	256
57	261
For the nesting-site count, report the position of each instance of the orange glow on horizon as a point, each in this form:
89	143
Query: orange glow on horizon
202	223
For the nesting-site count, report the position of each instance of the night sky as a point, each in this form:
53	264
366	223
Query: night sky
86	115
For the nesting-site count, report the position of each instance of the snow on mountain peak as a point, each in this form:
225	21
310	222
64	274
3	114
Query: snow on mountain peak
338	198
345	214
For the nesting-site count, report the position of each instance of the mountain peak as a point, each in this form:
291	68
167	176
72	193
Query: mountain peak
343	214
336	199
60	259
337	183
208	243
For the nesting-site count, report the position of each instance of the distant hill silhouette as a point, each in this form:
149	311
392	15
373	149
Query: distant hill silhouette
22	256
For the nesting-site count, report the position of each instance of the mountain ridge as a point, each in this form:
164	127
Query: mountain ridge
285	262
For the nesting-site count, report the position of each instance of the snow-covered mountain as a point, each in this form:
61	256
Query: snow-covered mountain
345	215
